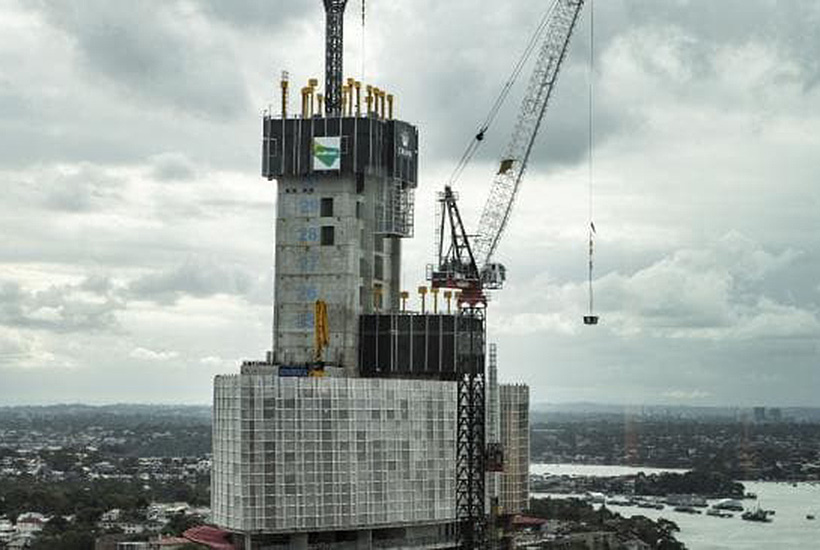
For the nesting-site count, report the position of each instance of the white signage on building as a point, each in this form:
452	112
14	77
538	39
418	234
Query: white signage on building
327	153
404	145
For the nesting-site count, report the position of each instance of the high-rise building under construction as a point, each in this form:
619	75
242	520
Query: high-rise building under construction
347	435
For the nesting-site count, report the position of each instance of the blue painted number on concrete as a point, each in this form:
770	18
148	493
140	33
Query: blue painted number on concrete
307	234
305	320
308	293
308	206
308	263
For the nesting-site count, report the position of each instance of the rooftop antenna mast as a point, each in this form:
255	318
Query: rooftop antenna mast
334	54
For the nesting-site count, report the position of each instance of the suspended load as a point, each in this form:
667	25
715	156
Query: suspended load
590	319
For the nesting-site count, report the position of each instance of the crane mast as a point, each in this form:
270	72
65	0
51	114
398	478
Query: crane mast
464	263
507	181
334	41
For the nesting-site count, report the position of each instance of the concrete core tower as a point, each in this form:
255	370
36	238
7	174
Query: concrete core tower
345	179
344	202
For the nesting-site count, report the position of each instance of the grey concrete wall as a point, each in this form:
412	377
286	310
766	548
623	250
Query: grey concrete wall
341	274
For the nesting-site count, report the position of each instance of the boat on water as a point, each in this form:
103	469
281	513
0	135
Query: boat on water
729	504
809	516
714	512
756	515
686	510
651	505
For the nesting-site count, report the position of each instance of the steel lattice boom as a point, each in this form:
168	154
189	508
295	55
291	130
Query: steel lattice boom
514	162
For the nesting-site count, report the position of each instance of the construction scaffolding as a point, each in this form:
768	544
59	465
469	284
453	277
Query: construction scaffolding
395	209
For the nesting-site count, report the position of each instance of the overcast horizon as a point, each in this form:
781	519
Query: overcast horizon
137	230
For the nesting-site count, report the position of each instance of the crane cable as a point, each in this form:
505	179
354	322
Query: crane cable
475	142
590	115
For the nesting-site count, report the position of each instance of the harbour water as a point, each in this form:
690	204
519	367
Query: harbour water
789	530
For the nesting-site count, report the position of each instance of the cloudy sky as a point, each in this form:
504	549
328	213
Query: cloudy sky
137	234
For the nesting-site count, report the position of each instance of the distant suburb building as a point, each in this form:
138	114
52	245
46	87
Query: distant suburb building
515	439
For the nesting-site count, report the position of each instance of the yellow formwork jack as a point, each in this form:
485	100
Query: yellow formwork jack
321	337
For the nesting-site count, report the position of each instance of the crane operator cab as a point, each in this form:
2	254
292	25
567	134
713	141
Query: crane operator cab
493	276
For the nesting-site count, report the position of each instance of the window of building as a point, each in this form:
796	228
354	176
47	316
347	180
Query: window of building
360	182
326	207
378	243
378	267
363	268
328	235
359	210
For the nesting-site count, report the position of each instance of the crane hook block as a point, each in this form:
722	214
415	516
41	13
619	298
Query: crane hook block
590	319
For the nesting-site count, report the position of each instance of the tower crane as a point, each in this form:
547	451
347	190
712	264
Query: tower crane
465	263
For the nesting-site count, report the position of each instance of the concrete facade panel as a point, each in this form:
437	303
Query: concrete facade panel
314	454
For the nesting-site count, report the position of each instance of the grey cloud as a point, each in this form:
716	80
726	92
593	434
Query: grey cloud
59	308
83	189
79	188
11	303
98	284
19	349
196	276
12	348
73	98
266	14
730	290
13	104
596	366
147	51
465	71
172	167
718	293
127	84
61	128
788	26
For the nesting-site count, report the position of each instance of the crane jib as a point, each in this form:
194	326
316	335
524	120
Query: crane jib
505	186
